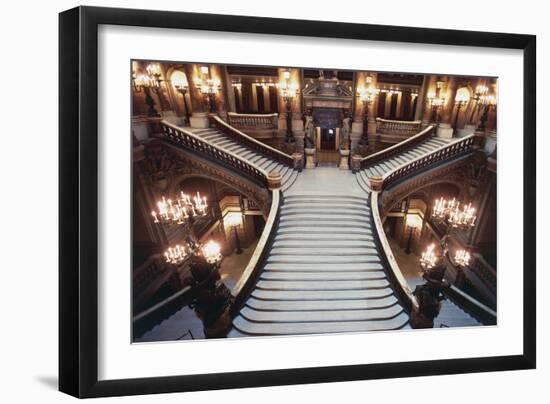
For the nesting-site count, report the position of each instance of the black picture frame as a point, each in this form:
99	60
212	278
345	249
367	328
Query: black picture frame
78	195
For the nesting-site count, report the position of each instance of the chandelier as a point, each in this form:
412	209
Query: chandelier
429	258
212	252
181	209
176	255
462	258
449	211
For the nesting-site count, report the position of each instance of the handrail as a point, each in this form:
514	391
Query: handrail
247	279
391	126
160	304
396	148
485	271
189	140
452	149
253	121
252	143
396	273
480	311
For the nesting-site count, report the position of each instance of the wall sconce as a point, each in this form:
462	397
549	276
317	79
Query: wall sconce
461	99
288	91
150	82
208	87
180	84
367	95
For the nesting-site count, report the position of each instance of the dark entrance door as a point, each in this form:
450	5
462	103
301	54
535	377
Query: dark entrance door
328	138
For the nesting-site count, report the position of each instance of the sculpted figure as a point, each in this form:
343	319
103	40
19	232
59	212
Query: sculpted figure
309	132
345	133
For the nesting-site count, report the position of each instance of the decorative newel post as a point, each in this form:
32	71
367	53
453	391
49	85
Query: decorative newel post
298	161
376	183
274	180
356	163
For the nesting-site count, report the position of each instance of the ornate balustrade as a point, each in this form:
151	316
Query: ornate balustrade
474	307
485	271
451	150
190	141
253	144
405	292
253	121
250	274
397	148
392	127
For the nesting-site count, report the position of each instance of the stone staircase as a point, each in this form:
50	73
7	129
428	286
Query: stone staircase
324	273
453	316
224	142
381	168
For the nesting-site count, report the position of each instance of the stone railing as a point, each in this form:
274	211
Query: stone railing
395	273
474	307
485	271
192	142
250	274
148	278
450	150
396	148
391	127
253	121
253	144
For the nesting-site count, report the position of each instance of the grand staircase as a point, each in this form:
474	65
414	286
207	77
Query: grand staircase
324	273
406	156
221	140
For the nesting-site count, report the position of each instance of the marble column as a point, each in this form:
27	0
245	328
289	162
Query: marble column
421	99
228	90
220	98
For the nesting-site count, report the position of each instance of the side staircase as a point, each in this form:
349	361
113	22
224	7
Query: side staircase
225	142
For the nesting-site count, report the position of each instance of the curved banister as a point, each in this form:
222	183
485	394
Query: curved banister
390	126
396	148
189	140
452	149
404	289
474	306
252	143
247	279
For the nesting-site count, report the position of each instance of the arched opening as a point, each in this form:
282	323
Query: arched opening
180	87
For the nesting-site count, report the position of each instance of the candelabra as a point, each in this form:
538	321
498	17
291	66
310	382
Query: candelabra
288	92
461	99
208	87
489	102
454	216
180	210
436	101
150	83
480	93
182	86
211	251
367	95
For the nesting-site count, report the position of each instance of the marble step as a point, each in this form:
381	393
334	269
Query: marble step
326	215
320	316
288	236
290	221
252	328
333	252
300	207
327	244
321	259
324	229
322	285
325	267
321	276
324	197
323	295
318	305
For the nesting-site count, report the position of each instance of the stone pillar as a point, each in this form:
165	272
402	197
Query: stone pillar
358	113
220	98
229	93
199	117
445	128
421	99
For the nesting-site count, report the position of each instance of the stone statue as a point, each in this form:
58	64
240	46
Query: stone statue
309	132
345	133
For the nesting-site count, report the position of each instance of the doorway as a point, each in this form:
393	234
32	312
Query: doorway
328	139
